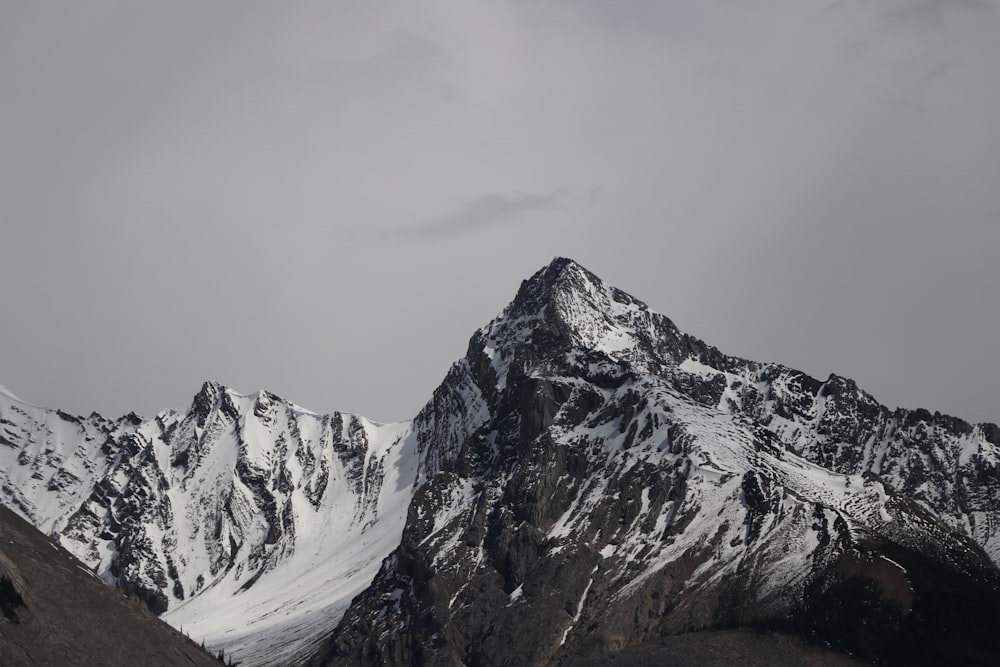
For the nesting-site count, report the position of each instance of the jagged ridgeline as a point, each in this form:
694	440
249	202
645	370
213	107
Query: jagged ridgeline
587	481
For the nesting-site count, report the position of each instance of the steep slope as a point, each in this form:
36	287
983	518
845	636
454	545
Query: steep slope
54	612
593	479
241	519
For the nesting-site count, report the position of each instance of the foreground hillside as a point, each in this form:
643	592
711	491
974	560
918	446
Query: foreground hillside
55	612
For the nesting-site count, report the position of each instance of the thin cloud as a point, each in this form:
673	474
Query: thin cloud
485	211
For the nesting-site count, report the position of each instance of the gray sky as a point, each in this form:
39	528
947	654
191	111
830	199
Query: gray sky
327	199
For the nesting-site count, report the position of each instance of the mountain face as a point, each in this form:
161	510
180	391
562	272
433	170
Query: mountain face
587	480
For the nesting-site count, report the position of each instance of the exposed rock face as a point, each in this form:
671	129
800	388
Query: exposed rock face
586	481
592	479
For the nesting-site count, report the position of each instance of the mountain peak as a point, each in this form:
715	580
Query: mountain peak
596	315
206	397
560	276
563	311
565	267
561	287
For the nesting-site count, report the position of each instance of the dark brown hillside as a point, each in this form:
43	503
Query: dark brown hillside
54	612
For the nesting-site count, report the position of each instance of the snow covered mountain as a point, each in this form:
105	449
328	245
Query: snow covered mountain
592	479
586	479
242	520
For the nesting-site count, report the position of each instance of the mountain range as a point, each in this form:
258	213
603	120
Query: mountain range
586	483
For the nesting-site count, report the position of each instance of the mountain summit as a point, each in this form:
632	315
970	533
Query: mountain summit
586	480
577	309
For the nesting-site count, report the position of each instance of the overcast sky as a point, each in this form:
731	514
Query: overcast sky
326	199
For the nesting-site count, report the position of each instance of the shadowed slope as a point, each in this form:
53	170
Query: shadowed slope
55	612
